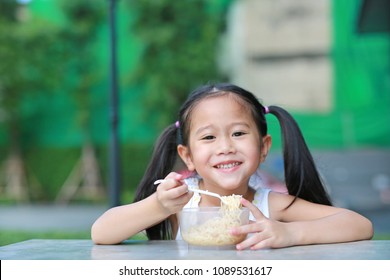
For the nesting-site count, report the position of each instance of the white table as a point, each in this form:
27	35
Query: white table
51	249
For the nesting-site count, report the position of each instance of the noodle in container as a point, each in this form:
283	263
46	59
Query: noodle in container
210	226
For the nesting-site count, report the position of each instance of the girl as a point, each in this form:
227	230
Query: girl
221	137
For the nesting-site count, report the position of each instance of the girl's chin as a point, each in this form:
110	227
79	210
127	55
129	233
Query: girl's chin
231	187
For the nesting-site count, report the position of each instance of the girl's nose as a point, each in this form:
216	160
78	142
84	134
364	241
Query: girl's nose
225	146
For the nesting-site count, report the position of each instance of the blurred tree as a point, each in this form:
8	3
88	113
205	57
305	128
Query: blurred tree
30	55
181	40
84	18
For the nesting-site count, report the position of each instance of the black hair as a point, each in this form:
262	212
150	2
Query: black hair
301	176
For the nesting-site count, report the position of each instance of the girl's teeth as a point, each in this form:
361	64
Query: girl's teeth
227	166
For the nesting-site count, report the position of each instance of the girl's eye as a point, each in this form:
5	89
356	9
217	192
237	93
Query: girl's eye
238	133
208	137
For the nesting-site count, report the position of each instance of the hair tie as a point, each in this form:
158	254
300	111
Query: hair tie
177	124
266	110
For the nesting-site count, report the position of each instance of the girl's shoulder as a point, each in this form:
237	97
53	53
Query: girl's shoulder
261	201
193	183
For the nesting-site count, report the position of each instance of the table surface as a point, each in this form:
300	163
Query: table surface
53	249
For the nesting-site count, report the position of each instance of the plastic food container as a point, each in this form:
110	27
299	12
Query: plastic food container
210	226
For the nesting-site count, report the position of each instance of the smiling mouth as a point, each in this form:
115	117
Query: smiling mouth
227	165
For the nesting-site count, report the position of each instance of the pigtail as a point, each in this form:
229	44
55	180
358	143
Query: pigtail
160	165
301	175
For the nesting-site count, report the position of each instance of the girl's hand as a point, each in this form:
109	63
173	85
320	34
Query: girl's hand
264	233
173	194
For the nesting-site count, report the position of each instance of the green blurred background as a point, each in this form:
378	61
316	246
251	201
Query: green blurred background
55	89
55	82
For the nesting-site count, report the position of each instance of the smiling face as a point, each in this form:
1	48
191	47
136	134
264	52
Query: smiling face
224	145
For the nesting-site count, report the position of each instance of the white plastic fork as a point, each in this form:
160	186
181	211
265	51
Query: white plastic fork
196	190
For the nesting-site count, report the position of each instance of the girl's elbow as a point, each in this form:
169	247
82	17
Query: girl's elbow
101	237
98	240
97	235
366	229
369	230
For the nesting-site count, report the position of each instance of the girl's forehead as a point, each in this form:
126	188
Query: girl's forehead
221	106
226	99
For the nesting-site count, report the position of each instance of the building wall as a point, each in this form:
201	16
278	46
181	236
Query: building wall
281	52
307	57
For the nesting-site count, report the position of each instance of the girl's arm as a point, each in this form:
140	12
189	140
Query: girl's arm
122	222
302	223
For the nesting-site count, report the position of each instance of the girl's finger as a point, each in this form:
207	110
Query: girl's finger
245	229
250	242
255	211
178	191
182	200
173	176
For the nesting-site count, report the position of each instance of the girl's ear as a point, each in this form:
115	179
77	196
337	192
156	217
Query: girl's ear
267	142
184	154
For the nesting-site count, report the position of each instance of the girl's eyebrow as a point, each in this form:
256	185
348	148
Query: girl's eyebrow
201	129
241	123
